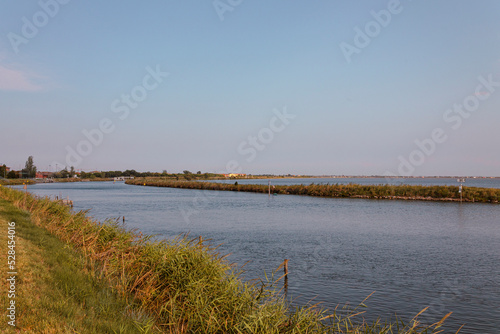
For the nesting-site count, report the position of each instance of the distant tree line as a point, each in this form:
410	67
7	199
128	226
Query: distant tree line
30	171
185	175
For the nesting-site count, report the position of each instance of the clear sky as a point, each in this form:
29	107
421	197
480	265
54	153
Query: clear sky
261	86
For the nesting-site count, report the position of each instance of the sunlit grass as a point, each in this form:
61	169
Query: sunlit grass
15	182
54	291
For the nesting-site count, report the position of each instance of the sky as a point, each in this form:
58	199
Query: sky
402	88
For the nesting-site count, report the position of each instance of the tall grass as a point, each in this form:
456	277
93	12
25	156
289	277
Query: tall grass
15	182
56	293
401	192
185	284
74	179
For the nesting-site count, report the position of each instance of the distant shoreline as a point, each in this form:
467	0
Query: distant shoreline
12	182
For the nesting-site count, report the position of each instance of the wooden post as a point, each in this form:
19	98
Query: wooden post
285	283
285	268
269	183
124	219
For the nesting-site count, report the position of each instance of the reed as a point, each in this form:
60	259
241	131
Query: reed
15	182
95	179
385	191
55	292
186	284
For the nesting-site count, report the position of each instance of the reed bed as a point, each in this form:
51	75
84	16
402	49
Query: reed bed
15	182
94	179
400	192
186	285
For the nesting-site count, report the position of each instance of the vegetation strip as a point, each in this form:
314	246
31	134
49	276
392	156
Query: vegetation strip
393	192
185	285
55	293
15	182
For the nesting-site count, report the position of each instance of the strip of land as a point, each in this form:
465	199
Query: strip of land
387	192
53	290
15	182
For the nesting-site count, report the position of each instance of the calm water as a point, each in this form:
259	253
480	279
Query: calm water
412	254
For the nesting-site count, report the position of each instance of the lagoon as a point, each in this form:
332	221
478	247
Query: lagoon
410	254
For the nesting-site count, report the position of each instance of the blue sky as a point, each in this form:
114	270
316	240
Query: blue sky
233	66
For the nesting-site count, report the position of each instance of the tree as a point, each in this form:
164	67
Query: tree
29	168
72	172
129	172
3	171
64	173
12	175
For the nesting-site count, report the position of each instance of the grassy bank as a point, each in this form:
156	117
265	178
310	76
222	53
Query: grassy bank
184	284
401	192
15	182
94	179
55	292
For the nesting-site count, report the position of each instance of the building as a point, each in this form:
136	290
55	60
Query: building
43	175
123	178
235	175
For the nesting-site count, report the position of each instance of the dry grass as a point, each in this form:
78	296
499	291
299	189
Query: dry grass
54	291
15	182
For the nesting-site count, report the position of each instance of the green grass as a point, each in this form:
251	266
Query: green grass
94	179
55	291
184	284
17	182
391	192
